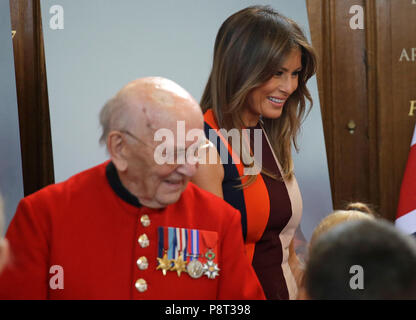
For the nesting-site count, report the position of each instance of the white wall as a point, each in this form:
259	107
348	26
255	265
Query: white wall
11	181
106	43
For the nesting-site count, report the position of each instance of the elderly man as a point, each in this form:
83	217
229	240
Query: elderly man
132	227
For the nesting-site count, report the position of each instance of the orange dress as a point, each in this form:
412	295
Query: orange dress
270	213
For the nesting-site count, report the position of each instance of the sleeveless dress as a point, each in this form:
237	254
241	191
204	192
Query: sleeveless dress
271	211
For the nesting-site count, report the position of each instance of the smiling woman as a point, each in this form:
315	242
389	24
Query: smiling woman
268	99
262	62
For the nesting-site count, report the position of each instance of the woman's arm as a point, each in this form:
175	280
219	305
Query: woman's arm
209	176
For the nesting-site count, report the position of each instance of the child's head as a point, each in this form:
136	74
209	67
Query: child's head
354	211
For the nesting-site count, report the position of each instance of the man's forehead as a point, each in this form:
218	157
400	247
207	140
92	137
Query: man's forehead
162	98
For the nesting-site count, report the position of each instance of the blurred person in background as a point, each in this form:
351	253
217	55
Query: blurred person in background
364	259
353	211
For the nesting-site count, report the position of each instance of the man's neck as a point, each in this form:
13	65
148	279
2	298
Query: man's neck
136	188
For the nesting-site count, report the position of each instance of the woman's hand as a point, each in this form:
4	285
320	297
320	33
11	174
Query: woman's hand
209	176
297	267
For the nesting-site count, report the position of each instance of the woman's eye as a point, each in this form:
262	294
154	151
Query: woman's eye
279	73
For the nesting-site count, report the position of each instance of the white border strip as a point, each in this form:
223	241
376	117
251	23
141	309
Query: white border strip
414	138
407	223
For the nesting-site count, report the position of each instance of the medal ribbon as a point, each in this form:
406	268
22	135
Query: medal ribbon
160	231
171	246
202	245
193	243
184	241
209	240
180	243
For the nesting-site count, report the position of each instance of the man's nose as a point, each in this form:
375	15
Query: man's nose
188	169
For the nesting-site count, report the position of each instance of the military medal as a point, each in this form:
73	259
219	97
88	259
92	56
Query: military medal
164	263
210	268
194	267
210	255
179	265
180	244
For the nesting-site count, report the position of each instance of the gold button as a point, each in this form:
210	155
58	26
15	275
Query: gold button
141	285
143	240
145	220
142	263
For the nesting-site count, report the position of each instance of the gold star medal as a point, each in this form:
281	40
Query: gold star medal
180	244
164	264
179	265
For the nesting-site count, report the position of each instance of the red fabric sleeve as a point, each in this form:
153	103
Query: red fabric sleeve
26	276
238	279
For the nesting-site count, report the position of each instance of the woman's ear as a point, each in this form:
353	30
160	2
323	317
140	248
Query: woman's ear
117	148
4	253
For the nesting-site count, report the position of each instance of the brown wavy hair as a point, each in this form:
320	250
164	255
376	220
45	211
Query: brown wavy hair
250	47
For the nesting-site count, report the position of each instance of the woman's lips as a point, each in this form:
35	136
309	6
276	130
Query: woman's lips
279	102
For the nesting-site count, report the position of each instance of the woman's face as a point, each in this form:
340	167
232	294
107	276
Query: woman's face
268	99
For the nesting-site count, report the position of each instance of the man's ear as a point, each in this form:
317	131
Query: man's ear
4	253
117	149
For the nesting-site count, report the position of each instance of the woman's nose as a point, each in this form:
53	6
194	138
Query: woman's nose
288	84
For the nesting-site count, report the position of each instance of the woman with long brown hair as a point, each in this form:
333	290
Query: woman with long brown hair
262	61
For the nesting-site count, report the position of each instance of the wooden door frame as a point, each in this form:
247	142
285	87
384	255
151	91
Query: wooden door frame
32	95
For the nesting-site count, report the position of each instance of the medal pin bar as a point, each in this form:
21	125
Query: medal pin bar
163	263
209	241
194	267
180	246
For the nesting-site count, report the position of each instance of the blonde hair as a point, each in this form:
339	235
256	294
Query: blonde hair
354	211
250	47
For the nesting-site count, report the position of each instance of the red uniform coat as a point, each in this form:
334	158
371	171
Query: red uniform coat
90	227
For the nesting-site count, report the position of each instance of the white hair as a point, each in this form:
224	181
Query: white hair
113	116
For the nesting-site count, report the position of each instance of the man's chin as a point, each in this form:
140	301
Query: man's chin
170	196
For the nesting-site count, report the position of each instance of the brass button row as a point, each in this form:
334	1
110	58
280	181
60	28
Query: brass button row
142	263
